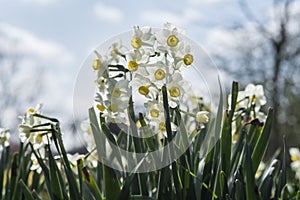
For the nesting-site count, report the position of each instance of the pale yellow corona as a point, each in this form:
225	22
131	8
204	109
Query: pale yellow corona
159	74
294	158
133	65
39	138
144	90
116	92
154	113
114	107
188	59
100	107
30	110
172	41
254	98
114	52
174	91
162	126
96	64
136	42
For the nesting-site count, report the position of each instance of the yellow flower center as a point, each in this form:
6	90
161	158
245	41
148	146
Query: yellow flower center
116	92
174	91
100	107
172	41
4	138
114	52
294	158
254	98
96	64
154	113
133	65
30	110
39	138
188	59
162	126
136	42
114	107
138	124
144	90
159	74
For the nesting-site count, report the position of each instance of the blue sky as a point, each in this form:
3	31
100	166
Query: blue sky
57	35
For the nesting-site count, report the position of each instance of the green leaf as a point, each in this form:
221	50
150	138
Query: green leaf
111	183
223	184
90	182
226	137
55	183
266	187
26	191
282	174
249	175
262	143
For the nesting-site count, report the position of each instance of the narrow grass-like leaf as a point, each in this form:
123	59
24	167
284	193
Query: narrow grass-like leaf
55	184
111	183
266	188
89	180
249	175
262	143
45	171
282	173
26	191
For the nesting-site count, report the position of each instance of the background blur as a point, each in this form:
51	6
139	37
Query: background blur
44	42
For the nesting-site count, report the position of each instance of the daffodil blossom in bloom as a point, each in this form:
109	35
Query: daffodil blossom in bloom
137	61
177	87
116	51
32	130
28	121
295	161
256	95
169	38
4	138
183	57
142	36
202	117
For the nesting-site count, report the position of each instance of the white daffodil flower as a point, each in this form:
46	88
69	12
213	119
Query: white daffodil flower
169	38
183	57
116	51
256	95
137	61
4	138
202	117
177	87
295	161
142	37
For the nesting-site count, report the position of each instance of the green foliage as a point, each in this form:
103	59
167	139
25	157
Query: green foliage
229	170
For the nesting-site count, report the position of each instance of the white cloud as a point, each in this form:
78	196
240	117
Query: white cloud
43	68
17	41
107	13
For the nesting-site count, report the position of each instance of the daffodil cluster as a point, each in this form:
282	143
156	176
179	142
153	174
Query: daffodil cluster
248	107
133	76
